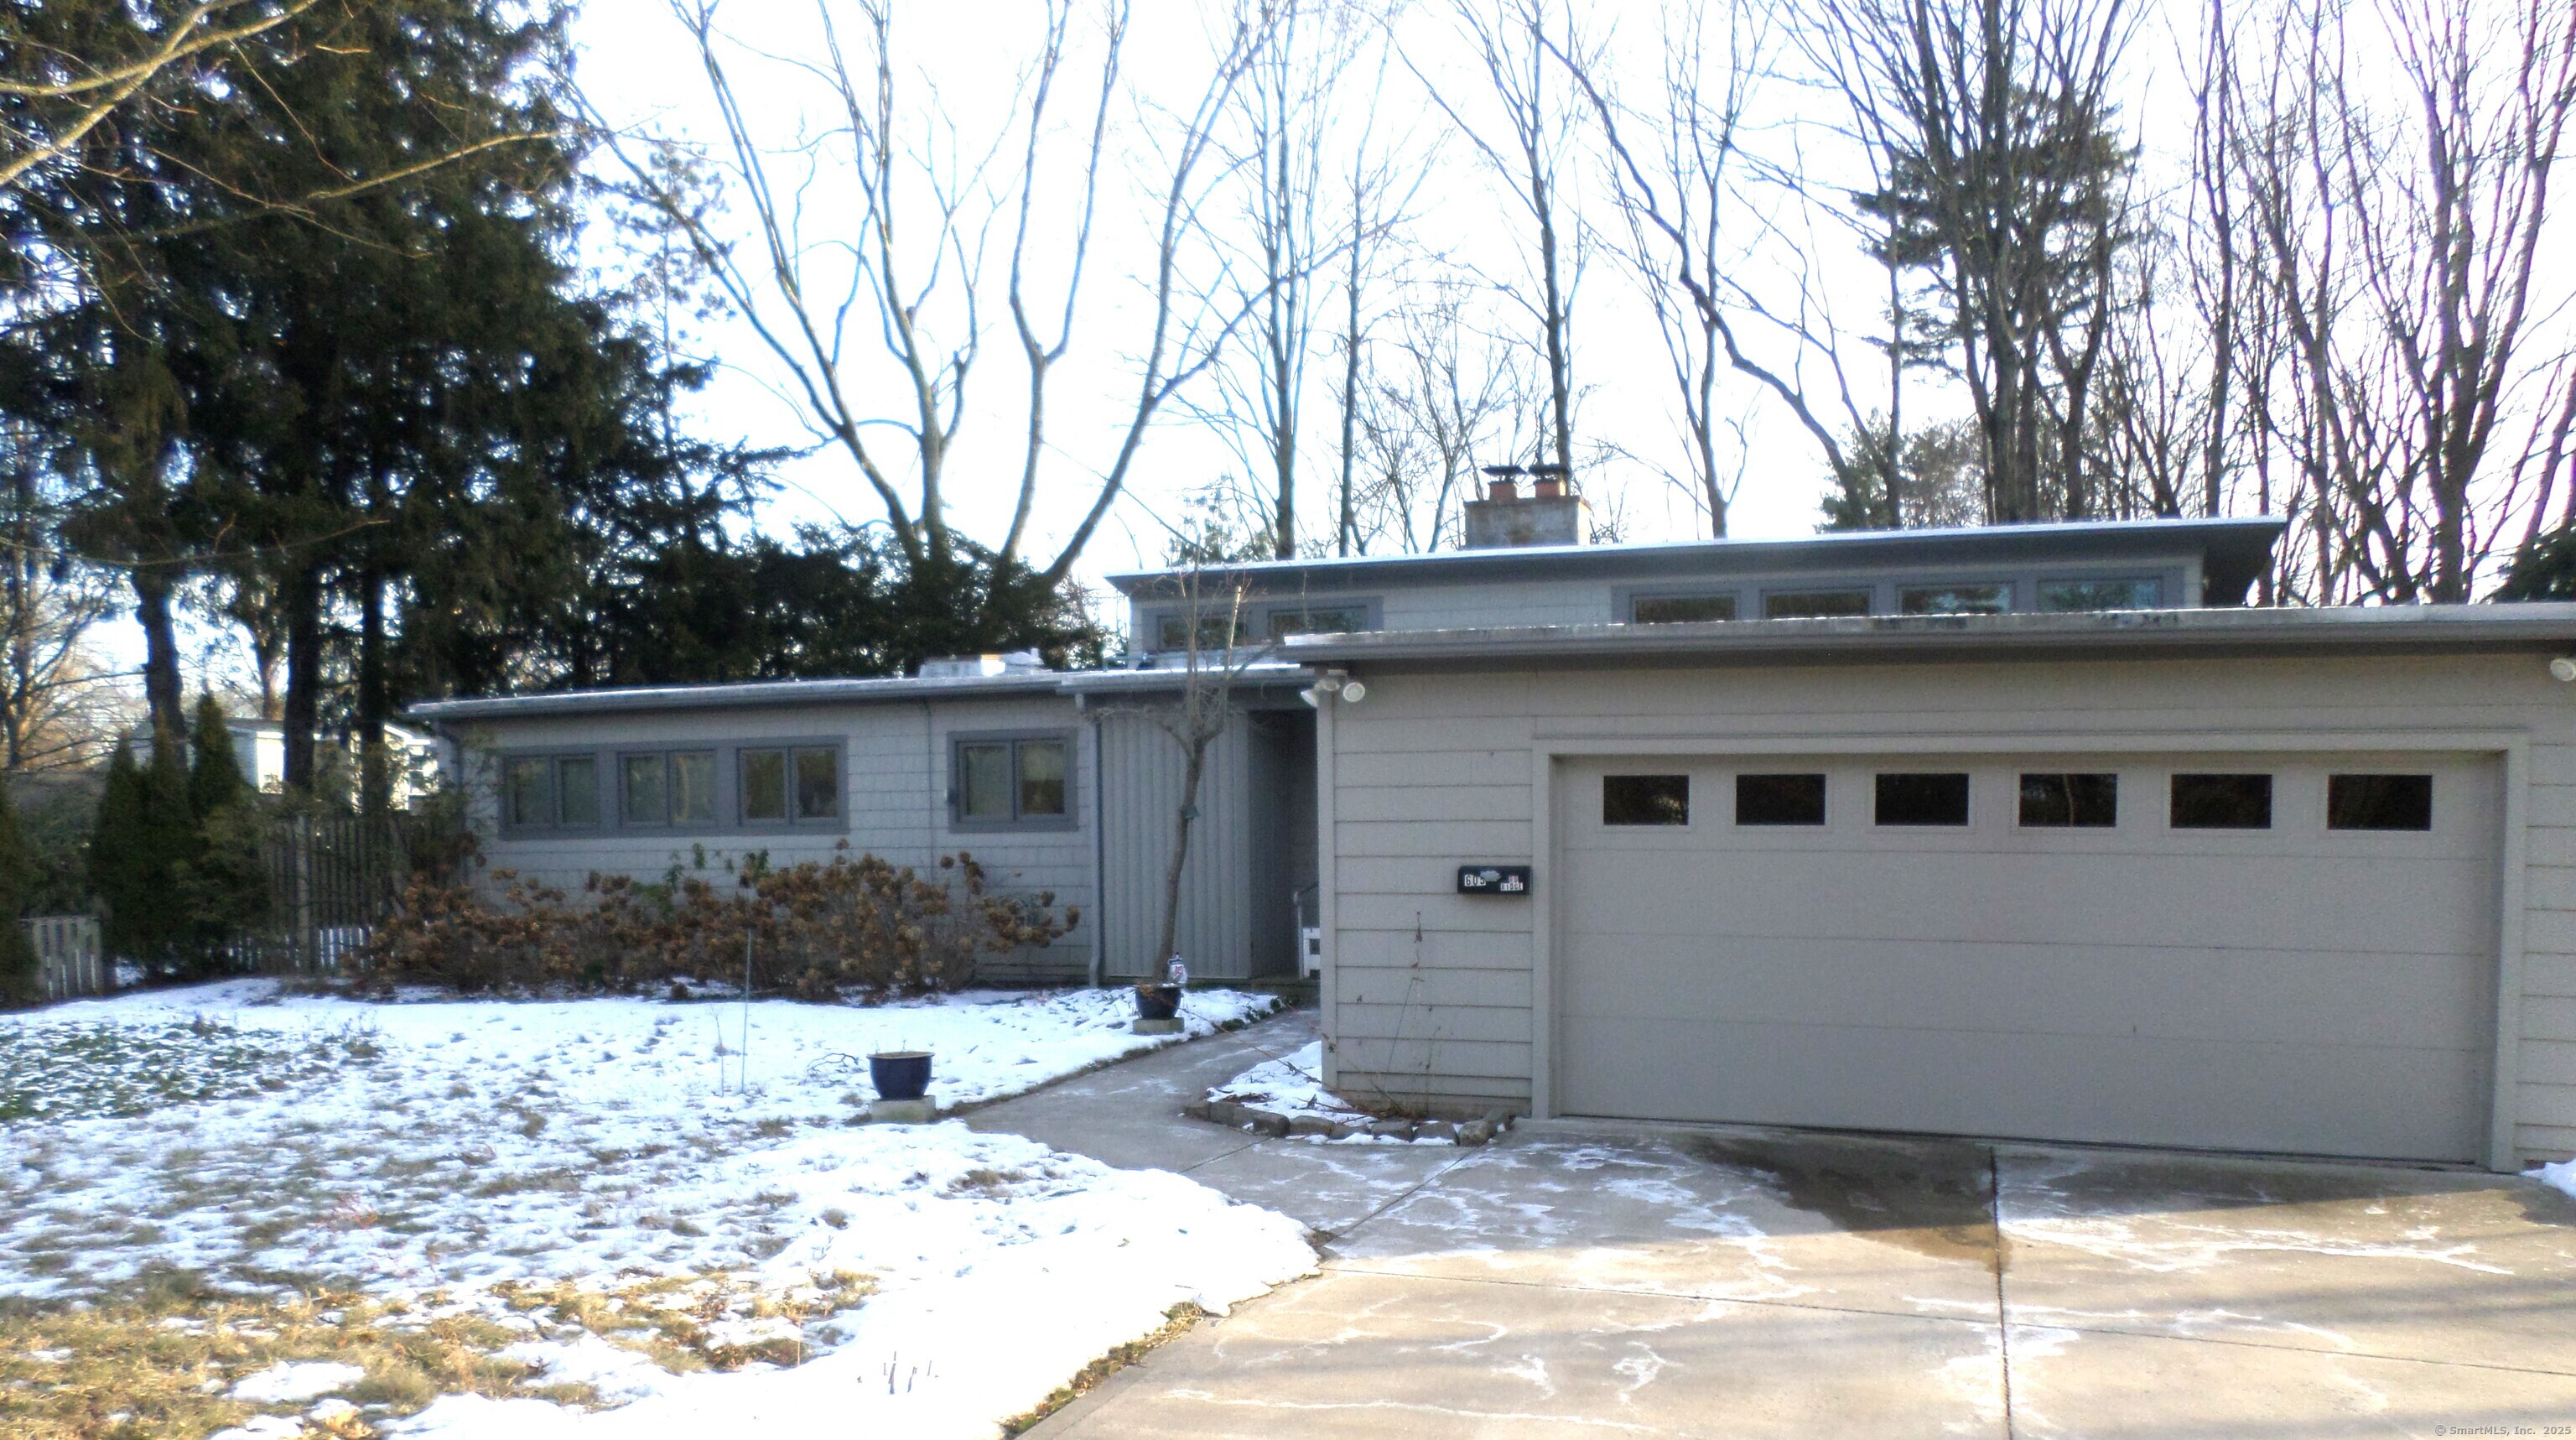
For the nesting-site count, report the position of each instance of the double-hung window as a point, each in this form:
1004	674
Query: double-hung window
1011	781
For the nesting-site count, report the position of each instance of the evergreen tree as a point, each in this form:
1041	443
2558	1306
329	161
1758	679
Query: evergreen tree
226	887
142	853
18	980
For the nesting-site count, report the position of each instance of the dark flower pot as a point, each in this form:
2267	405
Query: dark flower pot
1157	1002
900	1074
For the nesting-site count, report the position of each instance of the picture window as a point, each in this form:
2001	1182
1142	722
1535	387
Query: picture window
1923	798
1645	799
551	792
2379	802
1797	799
2222	802
791	785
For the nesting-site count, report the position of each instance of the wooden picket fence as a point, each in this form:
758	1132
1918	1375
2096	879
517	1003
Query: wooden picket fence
69	958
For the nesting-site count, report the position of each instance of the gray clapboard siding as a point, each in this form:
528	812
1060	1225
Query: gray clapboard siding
1414	803
895	782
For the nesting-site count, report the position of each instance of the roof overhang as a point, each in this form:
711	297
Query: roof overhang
2232	552
1090	686
2532	628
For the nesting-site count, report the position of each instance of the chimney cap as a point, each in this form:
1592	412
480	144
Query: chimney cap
1502	471
1550	468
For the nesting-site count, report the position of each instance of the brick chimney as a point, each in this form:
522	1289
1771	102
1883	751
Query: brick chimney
1552	514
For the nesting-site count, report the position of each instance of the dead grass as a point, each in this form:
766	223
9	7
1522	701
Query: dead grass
157	1361
1177	1321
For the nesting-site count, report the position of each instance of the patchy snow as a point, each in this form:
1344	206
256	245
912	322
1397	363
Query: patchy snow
295	1382
1293	1085
2561	1175
437	1149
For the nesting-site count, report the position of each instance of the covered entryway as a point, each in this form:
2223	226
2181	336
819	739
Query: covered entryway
2275	952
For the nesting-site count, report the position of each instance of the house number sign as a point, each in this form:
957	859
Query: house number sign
1493	879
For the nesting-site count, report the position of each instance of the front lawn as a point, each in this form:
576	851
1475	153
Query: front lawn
612	1217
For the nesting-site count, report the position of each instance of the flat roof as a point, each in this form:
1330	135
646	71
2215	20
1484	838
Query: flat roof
2233	550
2534	626
876	690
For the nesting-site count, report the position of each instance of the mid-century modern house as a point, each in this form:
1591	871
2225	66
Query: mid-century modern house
2031	831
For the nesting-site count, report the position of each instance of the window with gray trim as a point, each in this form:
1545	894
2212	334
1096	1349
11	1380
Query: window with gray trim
1006	781
667	788
550	792
1990	597
1172	631
1814	604
788	784
1319	617
1681	609
2135	592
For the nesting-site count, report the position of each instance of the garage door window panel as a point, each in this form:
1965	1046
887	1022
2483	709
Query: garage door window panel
2083	801
1780	799
1645	800
2379	802
2222	802
1922	798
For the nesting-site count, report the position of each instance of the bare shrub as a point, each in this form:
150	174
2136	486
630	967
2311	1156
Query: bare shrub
815	929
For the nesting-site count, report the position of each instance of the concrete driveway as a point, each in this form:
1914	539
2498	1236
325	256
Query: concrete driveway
1583	1279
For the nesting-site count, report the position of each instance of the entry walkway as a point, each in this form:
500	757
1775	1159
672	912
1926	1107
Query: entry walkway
1590	1279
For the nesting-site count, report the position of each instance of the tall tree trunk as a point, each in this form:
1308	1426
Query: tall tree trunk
1182	820
375	780
160	656
302	595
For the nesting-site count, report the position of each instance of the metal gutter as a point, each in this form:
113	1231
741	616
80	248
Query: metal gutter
2534	627
748	693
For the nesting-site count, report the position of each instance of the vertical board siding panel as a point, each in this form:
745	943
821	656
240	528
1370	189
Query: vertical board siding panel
1141	801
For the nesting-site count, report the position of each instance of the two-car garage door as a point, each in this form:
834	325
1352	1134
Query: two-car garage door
2261	952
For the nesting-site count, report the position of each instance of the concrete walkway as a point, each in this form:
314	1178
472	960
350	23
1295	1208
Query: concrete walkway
1640	1280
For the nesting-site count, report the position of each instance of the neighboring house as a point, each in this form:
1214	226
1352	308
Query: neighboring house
2028	831
259	748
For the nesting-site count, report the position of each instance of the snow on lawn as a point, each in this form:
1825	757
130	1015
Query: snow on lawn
453	1149
1293	1085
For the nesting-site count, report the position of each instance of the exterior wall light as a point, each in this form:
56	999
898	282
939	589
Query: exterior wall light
2563	669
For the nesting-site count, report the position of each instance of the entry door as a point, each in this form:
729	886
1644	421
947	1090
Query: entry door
2308	979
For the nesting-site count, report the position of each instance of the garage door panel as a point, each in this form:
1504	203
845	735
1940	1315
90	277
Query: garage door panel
2418	907
2295	989
2225	995
2315	1099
